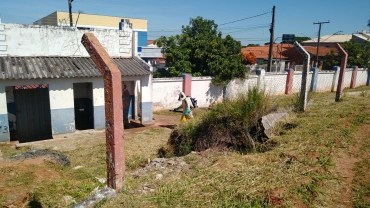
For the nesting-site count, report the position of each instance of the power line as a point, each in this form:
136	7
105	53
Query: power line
244	18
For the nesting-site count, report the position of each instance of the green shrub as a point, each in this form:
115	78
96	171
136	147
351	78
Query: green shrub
230	125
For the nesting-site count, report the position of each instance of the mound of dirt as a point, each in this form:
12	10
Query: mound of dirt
33	153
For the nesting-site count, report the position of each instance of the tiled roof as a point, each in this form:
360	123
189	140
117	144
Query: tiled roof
15	67
263	51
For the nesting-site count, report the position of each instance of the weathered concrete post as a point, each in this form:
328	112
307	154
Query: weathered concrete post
315	73
113	110
343	65
261	78
306	67
186	84
289	81
354	77
336	70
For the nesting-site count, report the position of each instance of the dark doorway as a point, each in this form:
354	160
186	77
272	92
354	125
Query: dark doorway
83	102
32	108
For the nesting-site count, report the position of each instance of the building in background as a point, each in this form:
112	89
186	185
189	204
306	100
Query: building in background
328	41
152	54
91	21
50	85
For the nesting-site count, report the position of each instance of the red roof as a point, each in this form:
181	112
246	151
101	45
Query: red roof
286	51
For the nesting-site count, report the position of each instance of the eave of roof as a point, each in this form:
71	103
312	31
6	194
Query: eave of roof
42	67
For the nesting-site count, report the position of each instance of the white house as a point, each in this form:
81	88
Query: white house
49	84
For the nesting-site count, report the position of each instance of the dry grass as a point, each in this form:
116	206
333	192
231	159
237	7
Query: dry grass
302	171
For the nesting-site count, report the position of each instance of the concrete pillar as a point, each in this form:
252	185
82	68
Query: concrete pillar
4	124
115	158
146	104
186	84
354	77
261	78
343	65
315	72
336	70
289	81
306	63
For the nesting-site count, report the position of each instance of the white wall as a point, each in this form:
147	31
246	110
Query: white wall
166	90
35	40
361	77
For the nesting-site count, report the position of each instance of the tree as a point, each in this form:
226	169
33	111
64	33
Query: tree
249	58
358	55
253	45
368	23
201	51
331	59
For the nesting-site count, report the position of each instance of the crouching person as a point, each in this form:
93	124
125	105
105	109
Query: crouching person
186	107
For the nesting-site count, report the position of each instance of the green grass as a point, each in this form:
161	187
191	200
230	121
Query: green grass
302	170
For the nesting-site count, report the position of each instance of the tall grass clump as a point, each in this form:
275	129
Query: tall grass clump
230	125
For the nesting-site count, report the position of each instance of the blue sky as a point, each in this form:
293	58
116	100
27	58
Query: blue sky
165	17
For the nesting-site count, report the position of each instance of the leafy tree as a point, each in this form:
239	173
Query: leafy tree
253	45
358	55
201	51
249	58
331	59
368	23
301	39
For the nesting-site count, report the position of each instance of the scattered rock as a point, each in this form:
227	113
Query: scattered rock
159	176
171	162
96	197
33	153
68	200
268	122
101	180
78	167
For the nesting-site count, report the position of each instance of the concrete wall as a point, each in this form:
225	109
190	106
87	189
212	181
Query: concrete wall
34	40
166	90
361	77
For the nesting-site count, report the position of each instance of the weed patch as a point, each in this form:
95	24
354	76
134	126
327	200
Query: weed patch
230	125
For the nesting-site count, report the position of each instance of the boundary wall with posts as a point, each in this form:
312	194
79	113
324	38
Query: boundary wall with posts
166	90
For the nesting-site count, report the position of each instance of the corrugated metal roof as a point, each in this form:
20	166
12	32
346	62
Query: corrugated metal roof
331	39
15	67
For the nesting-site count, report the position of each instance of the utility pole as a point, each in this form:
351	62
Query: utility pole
70	13
318	42
271	40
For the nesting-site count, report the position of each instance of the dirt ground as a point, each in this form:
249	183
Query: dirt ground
86	138
62	143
